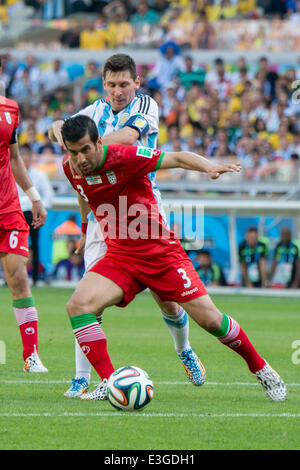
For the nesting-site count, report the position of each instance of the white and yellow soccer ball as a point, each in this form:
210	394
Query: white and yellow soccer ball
129	388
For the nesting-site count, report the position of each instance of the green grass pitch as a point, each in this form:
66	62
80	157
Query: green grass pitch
230	411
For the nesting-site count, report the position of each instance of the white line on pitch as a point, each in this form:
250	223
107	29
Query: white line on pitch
52	382
118	414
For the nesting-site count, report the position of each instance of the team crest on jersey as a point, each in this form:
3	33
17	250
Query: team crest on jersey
144	152
111	176
124	118
95	179
8	117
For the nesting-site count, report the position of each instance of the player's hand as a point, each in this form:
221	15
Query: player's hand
80	249
55	131
39	214
218	169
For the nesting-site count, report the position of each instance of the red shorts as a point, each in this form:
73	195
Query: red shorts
171	276
13	221
14	241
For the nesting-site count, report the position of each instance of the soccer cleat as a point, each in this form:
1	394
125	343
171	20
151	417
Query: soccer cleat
77	388
34	364
100	393
193	366
272	383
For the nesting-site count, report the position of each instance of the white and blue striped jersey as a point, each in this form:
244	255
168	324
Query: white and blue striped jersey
141	113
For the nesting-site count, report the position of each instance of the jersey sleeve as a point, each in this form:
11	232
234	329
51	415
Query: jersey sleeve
14	136
140	160
241	253
14	139
93	111
264	250
143	115
277	254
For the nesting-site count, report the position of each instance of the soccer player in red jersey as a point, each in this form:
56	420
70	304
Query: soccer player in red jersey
14	232
148	257
130	118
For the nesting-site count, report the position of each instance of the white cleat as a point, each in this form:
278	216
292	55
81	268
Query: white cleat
272	383
100	393
34	364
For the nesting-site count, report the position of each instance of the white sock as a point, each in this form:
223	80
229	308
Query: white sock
82	364
178	326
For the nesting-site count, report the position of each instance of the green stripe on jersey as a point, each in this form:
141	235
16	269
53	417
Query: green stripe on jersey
24	303
82	320
158	163
103	158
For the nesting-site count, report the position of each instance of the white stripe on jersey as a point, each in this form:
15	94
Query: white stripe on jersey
108	122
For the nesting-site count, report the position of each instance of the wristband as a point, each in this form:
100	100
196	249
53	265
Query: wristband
33	194
84	227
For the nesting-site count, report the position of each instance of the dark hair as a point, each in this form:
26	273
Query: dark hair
77	127
203	252
252	229
120	63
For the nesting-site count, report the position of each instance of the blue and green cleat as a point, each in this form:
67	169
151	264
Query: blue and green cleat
193	366
77	388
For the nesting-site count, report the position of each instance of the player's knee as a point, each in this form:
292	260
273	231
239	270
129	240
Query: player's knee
213	321
18	282
78	305
170	308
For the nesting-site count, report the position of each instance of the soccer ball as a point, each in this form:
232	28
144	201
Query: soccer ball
129	388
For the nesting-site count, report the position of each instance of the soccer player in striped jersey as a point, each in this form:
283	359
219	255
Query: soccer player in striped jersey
127	118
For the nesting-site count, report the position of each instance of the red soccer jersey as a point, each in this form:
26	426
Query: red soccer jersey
121	197
9	119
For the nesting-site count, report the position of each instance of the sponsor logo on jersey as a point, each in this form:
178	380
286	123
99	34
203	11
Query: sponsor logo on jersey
188	292
111	177
96	179
30	331
144	152
8	117
85	349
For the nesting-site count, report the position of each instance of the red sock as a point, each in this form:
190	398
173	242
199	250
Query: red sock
92	341
237	340
27	320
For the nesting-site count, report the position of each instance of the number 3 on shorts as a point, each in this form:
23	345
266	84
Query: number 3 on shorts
13	239
184	277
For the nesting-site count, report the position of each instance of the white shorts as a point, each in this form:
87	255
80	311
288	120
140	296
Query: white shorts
95	247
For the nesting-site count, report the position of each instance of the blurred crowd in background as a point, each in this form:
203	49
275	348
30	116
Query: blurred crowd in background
197	24
233	111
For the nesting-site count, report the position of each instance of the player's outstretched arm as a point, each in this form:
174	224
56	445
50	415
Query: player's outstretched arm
54	132
22	178
192	161
125	136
